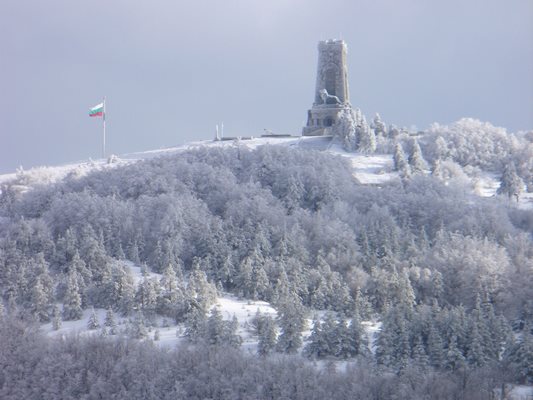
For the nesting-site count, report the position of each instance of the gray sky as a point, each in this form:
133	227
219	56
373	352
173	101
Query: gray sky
172	69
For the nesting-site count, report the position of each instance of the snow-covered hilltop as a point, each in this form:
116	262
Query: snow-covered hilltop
284	246
369	168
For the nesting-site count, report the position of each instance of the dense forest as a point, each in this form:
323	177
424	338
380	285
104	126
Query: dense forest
448	274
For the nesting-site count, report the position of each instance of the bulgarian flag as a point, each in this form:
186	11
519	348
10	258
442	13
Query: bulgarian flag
97	111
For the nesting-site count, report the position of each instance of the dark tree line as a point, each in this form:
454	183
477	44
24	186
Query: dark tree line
32	367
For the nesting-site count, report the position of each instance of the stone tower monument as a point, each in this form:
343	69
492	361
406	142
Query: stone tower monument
331	92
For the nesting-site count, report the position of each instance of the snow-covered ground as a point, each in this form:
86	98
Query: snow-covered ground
170	333
520	392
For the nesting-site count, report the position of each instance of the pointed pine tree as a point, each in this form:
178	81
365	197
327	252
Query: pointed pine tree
400	162
511	184
416	160
454	358
267	336
316	346
110	322
72	301
291	316
56	318
93	323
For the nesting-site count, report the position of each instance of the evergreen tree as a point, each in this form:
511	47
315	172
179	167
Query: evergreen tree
146	296
231	337
56	318
384	347
521	356
419	354
454	357
345	129
416	160
357	339
93	323
400	162
110	322
363	308
267	336
261	283
292	323
380	128
215	327
72	301
123	290
199	288
138	328
316	346
39	301
195	324
441	149
435	347
511	184
403	346
366	139
475	354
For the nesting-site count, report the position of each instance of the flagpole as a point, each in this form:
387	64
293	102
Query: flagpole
103	143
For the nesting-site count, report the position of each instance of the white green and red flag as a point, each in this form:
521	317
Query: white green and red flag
97	111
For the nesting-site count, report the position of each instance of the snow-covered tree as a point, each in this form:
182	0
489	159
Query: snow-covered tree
365	138
400	163
511	184
110	322
267	336
93	322
291	320
72	301
56	318
380	128
416	160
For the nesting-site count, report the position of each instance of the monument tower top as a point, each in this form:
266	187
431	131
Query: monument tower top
332	70
331	90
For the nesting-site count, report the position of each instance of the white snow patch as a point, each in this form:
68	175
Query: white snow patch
520	392
137	274
245	311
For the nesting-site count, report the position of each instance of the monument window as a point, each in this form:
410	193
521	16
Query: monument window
328	121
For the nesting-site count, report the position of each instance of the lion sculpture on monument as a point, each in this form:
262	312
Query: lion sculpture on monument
328	98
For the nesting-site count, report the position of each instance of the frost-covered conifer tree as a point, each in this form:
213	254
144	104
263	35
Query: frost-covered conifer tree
379	126
365	138
454	356
400	162
56	318
195	324
72	301
215	327
316	346
93	323
435	347
39	301
292	323
345	128
137	329
521	356
267	336
511	184
110	322
416	160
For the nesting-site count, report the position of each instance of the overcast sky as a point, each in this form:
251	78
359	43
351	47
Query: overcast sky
172	69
